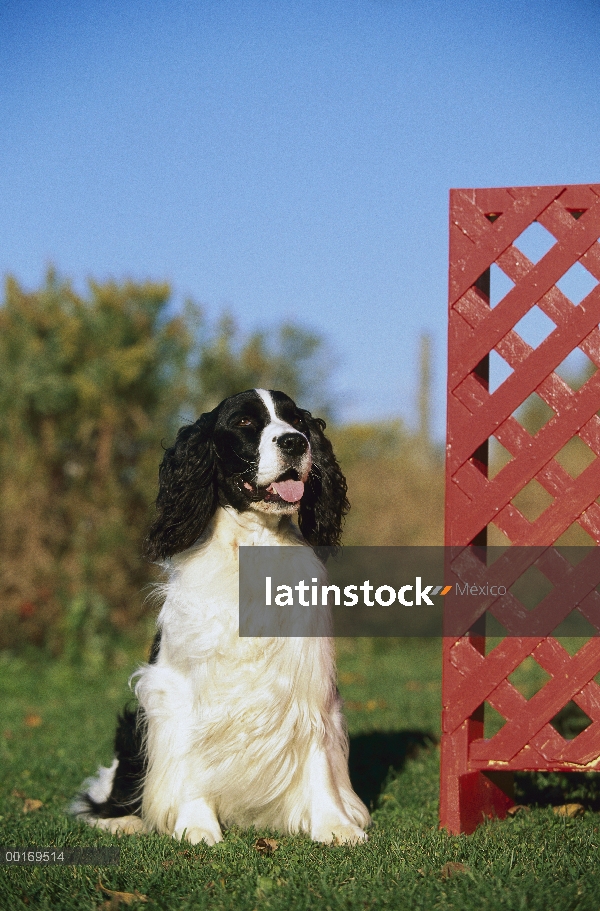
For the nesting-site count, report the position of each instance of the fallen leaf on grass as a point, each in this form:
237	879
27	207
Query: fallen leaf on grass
31	804
570	810
265	845
452	868
518	808
16	793
33	721
116	898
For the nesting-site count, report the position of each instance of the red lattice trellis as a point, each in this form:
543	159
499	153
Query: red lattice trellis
484	226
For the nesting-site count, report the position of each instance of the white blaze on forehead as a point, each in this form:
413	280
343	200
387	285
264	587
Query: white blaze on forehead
270	460
267	400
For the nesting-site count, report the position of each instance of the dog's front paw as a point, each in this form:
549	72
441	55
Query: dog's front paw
122	825
341	834
196	822
196	834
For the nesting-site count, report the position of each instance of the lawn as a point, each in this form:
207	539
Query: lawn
56	725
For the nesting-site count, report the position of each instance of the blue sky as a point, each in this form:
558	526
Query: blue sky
290	159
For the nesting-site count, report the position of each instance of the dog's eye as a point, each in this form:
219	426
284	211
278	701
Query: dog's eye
296	422
244	422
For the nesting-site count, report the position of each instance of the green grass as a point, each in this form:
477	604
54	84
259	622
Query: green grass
536	860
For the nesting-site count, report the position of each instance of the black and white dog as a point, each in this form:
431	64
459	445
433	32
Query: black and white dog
232	730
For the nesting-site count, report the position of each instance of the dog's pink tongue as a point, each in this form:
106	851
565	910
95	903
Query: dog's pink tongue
290	491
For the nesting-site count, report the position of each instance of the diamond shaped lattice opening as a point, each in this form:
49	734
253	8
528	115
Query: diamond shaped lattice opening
500	370
531	587
577	283
494	630
570	721
532	500
576	369
534	327
499	456
574	555
575	456
493	721
500	284
495	633
575	536
574	631
534	414
495	553
529	678
496	537
534	242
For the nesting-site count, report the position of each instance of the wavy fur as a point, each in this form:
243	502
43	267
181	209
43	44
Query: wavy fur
244	731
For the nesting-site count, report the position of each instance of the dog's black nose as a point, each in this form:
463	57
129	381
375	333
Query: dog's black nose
293	444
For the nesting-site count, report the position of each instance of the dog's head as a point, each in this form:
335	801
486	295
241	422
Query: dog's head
255	451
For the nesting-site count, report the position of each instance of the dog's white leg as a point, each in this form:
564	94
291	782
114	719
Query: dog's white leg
196	822
329	821
174	776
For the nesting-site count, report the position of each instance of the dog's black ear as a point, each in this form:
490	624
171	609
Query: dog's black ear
324	504
187	492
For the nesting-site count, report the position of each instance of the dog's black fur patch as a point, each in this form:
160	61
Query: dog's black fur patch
212	458
126	792
125	796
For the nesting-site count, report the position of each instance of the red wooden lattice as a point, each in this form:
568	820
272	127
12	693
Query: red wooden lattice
485	227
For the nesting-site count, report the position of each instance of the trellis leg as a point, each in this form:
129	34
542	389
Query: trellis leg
467	797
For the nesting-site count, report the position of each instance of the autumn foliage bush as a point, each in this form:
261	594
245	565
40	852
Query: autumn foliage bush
90	387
